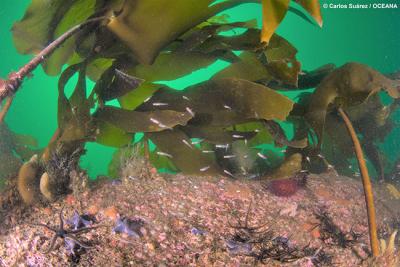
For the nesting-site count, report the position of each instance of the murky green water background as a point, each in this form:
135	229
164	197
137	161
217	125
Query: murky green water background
368	36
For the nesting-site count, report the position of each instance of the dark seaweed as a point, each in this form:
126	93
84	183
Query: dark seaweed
261	243
331	233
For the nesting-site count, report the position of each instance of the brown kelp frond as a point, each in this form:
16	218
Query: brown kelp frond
347	86
274	12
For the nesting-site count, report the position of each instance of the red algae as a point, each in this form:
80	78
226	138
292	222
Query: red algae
284	187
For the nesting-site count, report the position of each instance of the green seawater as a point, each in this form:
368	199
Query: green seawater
369	36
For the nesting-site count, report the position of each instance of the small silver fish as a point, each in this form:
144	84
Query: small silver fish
228	172
205	168
187	143
159	104
261	155
190	111
164	154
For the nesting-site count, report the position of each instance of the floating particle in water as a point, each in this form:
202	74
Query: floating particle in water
147	99
207	151
190	111
257	130
226	146
159	104
205	168
238	136
308	159
261	155
164	154
229	156
186	98
321	156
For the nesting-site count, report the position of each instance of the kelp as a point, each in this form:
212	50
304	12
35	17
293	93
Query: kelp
275	10
44	21
131	55
186	157
372	121
114	83
137	28
347	86
110	135
167	66
132	26
134	121
220	109
275	62
223	102
74	119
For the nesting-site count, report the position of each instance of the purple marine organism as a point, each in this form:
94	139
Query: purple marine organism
197	231
128	226
78	221
238	247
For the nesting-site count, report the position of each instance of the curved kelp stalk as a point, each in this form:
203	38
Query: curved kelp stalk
5	109
11	85
369	197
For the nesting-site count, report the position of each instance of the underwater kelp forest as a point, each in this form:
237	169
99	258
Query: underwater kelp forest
199	133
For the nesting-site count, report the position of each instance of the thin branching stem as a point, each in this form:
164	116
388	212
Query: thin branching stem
369	197
10	86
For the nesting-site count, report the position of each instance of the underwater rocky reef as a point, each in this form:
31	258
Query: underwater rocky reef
238	185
